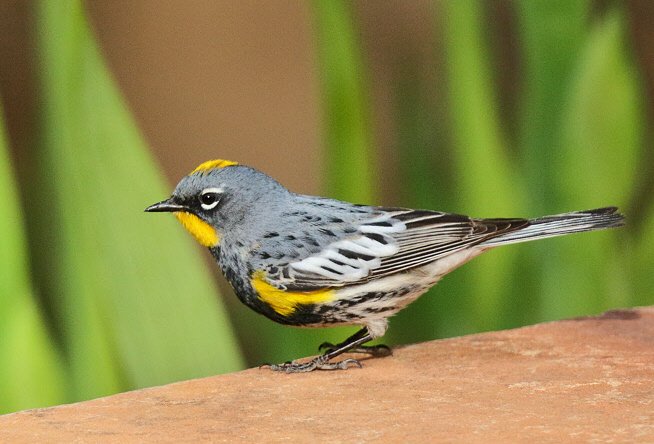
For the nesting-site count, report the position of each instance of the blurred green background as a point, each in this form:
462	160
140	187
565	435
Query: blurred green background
494	109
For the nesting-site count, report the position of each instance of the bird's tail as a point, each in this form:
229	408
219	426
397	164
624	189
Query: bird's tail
560	224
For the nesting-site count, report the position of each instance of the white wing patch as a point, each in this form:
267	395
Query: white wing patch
352	259
398	241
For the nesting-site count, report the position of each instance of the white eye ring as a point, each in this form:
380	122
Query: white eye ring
210	198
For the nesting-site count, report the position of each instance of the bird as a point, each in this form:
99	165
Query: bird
310	261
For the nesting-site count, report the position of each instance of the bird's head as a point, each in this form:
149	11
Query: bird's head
218	195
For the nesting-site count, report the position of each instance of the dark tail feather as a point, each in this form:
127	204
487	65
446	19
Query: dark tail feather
560	224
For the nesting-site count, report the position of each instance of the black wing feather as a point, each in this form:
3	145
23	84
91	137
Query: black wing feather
428	236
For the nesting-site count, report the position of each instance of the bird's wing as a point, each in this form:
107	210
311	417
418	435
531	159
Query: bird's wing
395	241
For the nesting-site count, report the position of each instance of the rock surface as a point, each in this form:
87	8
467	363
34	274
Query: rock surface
581	380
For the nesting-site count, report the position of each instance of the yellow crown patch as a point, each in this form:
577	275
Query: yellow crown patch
213	164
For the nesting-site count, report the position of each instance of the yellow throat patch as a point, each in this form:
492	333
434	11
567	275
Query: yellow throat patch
286	302
202	231
212	164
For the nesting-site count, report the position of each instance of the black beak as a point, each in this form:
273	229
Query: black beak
166	206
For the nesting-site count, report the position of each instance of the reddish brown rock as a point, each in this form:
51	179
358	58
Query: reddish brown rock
581	380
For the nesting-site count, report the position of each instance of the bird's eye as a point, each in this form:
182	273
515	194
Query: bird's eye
209	198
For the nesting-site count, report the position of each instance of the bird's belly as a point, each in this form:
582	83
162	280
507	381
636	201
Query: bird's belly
385	296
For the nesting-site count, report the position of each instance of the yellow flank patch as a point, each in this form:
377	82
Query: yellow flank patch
286	302
203	232
211	164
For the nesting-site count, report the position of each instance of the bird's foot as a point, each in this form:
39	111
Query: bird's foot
319	363
351	344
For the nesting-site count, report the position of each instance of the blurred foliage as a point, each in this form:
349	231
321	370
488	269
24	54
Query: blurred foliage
108	299
125	309
347	130
31	371
579	142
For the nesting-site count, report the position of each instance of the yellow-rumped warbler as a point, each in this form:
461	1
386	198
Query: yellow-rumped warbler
316	262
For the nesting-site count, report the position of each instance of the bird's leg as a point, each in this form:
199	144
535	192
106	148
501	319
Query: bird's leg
322	361
353	343
377	351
